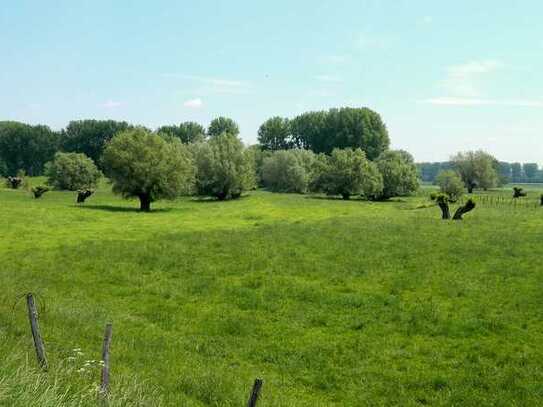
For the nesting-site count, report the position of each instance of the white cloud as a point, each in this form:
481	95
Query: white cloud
328	78
194	103
454	101
110	104
463	80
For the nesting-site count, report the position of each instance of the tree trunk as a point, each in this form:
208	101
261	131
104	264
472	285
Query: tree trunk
470	205
444	206
470	187
145	202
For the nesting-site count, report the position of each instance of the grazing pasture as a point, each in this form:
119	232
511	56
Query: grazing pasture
331	302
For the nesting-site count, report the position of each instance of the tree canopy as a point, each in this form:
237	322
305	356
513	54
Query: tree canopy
143	165
222	125
477	169
399	173
72	172
274	134
90	136
187	132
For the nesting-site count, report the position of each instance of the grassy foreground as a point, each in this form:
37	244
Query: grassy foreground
332	303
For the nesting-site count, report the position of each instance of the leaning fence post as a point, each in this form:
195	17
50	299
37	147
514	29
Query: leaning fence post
35	328
255	393
104	384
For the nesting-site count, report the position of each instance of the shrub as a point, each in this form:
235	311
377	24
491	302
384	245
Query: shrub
399	173
146	166
224	167
39	190
288	171
451	184
72	171
347	172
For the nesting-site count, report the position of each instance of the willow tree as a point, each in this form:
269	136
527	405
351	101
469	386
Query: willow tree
143	165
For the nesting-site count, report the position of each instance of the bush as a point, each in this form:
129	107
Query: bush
347	172
288	171
39	190
399	173
72	171
224	167
146	166
451	184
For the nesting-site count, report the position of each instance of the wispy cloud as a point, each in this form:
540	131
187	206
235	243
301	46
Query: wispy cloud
215	85
454	101
368	40
110	104
427	20
194	103
328	78
464	80
336	59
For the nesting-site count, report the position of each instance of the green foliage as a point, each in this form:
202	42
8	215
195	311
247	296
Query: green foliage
25	147
274	134
144	165
224	167
450	184
72	171
288	170
90	136
258	156
477	169
187	132
347	172
399	172
39	190
223	125
347	127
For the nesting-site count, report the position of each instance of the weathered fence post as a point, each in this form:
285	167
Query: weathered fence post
104	384
35	328
255	393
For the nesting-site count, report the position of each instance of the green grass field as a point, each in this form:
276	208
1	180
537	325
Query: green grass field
332	303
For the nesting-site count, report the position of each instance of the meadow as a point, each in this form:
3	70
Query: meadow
330	302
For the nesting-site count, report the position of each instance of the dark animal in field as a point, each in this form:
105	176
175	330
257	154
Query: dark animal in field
518	192
83	195
39	190
541	198
14	182
469	206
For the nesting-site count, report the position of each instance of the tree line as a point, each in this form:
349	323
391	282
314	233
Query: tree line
507	172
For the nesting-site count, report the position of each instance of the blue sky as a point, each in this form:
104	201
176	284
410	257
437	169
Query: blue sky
445	76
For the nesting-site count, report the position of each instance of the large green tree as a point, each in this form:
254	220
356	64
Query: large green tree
348	172
274	134
399	172
72	171
90	136
144	165
187	132
25	147
288	170
341	128
222	125
224	167
477	169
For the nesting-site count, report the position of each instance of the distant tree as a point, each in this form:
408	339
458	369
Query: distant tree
477	169
451	184
3	168
222	125
530	170
258	156
146	166
25	147
341	128
399	173
187	132
274	134
505	172
347	172
224	167
90	136
288	170
516	171
72	172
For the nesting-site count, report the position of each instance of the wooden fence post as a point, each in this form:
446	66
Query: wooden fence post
35	328
104	384
255	393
